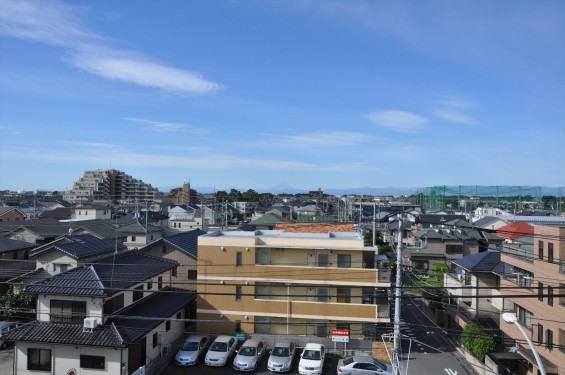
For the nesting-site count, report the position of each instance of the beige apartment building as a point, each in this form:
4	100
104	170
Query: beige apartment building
290	283
541	310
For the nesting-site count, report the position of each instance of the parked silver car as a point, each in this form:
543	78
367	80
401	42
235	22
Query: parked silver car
191	350
249	355
362	365
220	351
281	356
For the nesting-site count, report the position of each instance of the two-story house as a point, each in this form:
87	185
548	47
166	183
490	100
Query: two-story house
278	282
110	317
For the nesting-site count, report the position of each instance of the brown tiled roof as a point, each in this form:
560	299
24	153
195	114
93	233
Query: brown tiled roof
314	227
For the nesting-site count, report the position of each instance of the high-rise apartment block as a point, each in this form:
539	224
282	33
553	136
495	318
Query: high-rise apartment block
109	184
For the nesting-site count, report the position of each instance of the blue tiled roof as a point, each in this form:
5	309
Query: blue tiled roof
481	262
187	242
86	245
104	277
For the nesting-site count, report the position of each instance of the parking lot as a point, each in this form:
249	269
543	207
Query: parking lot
201	369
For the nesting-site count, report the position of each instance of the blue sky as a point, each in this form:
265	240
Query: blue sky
254	94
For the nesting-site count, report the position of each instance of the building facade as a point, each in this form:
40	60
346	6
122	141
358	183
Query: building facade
278	282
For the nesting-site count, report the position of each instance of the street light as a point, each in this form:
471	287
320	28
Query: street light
512	319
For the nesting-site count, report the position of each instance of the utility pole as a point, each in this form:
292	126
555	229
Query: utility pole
396	363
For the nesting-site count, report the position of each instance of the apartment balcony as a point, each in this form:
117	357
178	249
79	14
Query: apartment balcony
11	268
322	310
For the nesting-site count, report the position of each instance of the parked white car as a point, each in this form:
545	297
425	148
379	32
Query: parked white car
312	359
281	356
192	350
362	365
220	351
249	355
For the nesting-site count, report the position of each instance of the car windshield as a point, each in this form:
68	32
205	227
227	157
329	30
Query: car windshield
248	351
311	354
281	352
190	346
379	365
219	347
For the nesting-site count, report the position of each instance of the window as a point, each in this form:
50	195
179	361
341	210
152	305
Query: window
155	339
549	339
323	295
179	315
151	237
149	285
323	258
525	317
344	260
191	274
454	249
550	252
39	359
164	249
239	259
180	224
174	272
238	292
343	295
113	304
137	293
67	311
540	250
159	282
168	325
238	325
540	333
540	291
133	238
550	295
93	362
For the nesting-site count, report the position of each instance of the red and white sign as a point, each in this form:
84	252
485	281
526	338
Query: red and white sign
340	335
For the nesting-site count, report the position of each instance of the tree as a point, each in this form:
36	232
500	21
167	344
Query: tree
17	305
476	341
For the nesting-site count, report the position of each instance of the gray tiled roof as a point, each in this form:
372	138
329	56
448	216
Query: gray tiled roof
106	276
81	246
7	244
187	242
481	262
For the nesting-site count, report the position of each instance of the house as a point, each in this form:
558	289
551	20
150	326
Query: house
110	317
489	222
182	248
185	218
140	234
14	259
268	221
91	212
9	213
73	250
539	306
297	283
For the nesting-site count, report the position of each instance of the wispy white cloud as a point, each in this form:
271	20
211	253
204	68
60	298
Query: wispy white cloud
323	138
398	121
161	126
455	117
55	23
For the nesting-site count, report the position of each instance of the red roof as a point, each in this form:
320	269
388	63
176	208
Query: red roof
517	229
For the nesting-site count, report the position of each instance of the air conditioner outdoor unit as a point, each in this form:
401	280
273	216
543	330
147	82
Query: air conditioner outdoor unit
89	324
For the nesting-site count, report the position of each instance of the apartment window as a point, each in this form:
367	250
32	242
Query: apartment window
344	260
174	272
343	295
168	325
263	256
540	250
323	258
262	290
159	282
540	333
137	293
155	339
238	292
550	295
323	295
67	311
549	339
550	252
93	362
540	291
238	259
39	359
525	317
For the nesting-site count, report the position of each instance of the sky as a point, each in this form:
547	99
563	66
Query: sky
252	94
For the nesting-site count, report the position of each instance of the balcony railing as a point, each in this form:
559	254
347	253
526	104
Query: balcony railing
14	267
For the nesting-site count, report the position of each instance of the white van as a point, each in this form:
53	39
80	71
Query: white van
312	359
6	327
